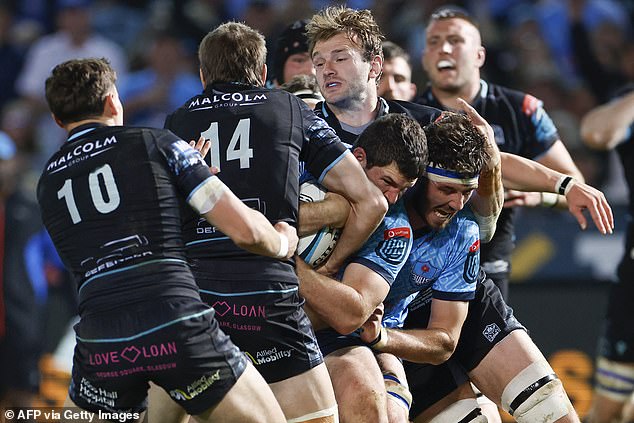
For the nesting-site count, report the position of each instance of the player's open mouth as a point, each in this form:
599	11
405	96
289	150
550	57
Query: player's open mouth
443	214
445	65
332	84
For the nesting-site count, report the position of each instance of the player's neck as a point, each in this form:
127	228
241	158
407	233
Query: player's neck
356	113
102	120
449	98
416	221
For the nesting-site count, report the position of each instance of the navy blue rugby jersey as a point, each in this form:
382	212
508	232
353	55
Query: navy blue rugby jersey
521	126
424	115
258	138
111	199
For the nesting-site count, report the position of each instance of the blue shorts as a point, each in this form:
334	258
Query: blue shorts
175	343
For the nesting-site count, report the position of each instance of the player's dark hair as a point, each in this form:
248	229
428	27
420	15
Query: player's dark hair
233	52
454	143
305	84
358	25
393	51
395	138
451	12
76	89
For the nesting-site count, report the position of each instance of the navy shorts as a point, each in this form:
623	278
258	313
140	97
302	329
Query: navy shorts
175	343
488	321
616	342
264	318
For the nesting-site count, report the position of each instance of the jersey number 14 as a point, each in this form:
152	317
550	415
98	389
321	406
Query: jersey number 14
238	148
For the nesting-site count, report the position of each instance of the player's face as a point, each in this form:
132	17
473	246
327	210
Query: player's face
298	64
343	76
390	181
396	80
444	200
453	54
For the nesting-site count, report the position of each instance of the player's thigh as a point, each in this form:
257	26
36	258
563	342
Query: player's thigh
249	400
503	362
307	393
161	408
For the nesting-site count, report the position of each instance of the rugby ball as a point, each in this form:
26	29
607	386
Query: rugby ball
316	248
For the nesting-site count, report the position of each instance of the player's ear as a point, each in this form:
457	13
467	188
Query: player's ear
376	67
481	56
264	72
202	78
57	121
110	108
359	154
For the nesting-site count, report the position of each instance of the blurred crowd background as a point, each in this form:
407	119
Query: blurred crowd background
572	54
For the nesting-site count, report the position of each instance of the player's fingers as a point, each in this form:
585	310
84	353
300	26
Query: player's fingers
581	219
602	214
513	202
205	146
606	214
608	210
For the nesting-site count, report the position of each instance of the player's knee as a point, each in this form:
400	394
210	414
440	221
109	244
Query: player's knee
462	411
328	415
536	395
397	391
614	380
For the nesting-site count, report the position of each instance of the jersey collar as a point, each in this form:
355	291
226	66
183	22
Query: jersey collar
80	130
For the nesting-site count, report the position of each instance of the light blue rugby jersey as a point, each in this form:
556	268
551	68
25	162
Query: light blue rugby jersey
387	249
446	263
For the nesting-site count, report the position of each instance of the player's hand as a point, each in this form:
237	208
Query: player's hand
486	129
203	145
338	209
290	233
372	327
514	198
584	197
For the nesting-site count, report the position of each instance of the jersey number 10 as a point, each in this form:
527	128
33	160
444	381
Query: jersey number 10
100	203
238	148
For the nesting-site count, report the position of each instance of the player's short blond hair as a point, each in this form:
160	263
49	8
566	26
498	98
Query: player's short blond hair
359	26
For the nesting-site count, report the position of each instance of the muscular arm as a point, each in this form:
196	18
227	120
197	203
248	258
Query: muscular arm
489	197
528	175
367	208
437	342
332	211
604	127
344	305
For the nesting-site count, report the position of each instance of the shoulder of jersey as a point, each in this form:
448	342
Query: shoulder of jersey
424	114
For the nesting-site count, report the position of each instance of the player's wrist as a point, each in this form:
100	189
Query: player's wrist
564	184
380	342
548	199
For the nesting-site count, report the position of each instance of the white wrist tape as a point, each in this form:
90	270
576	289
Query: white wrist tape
564	184
283	251
487	226
381	341
549	199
